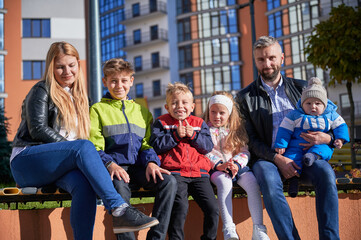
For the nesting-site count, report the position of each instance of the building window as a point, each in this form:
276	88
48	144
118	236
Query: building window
139	90
156	88
137	36
187	79
183	6
157	113
152	5
138	63
185	57
135	9
155	60
33	28
154	32
184	30
33	70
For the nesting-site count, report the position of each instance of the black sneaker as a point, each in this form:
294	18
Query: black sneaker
132	220
293	187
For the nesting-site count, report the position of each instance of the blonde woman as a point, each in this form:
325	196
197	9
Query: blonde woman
50	147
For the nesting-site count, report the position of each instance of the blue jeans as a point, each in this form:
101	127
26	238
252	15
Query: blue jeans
322	176
165	191
74	166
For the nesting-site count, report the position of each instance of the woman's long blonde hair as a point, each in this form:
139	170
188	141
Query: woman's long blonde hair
237	137
69	111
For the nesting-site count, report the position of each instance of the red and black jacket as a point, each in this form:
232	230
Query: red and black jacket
183	156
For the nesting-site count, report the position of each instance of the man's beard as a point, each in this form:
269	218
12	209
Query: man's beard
270	77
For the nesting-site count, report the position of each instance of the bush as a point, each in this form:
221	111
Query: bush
5	150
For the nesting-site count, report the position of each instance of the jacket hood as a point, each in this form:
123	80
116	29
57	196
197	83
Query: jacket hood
331	107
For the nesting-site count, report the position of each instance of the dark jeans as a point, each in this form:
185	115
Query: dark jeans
164	198
202	192
322	176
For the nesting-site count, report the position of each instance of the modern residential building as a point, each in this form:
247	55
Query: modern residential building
292	22
30	26
204	43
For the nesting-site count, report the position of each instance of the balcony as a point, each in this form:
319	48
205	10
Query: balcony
149	66
146	11
147	38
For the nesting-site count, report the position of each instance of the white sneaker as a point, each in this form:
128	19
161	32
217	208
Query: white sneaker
230	233
259	232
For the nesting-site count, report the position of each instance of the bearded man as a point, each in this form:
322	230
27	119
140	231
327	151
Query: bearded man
263	104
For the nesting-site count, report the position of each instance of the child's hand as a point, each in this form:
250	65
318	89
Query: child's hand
181	129
233	168
222	167
338	143
189	129
280	150
119	172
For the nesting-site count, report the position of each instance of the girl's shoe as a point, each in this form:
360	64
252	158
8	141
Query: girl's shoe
230	233
259	232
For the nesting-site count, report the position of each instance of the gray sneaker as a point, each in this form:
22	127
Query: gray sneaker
132	220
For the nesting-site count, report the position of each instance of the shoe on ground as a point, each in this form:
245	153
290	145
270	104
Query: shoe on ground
259	232
309	158
293	187
230	233
132	220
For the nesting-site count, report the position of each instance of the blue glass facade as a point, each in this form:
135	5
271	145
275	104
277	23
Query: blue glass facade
112	33
292	24
208	44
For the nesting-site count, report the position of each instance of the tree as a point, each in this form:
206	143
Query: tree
5	150
335	45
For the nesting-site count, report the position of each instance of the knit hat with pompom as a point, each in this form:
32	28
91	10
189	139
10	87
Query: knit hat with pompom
316	90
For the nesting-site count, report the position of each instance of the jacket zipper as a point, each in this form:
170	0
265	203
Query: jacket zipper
130	132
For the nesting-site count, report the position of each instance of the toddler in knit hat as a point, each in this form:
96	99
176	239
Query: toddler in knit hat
314	112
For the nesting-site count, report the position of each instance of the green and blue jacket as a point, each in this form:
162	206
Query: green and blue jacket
120	131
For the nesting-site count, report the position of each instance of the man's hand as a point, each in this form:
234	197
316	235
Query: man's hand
181	129
189	130
286	166
314	138
280	150
153	170
119	172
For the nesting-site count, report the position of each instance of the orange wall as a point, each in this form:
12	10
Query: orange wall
55	224
261	26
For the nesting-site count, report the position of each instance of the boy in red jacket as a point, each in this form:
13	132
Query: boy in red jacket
181	141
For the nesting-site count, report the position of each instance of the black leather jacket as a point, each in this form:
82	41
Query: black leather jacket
256	110
39	123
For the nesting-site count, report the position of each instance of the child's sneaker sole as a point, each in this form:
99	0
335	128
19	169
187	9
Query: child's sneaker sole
124	229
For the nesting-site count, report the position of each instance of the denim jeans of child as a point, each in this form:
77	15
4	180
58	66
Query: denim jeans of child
74	166
165	191
322	176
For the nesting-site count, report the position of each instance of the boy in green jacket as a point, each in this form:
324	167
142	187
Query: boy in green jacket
120	131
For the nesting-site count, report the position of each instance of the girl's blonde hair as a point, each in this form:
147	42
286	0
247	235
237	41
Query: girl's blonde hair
70	111
237	137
